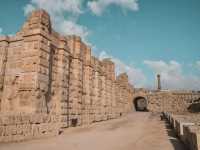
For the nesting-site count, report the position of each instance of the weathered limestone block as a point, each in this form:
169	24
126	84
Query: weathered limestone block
24	90
24	127
123	88
48	82
59	83
95	88
12	77
3	61
172	101
118	103
76	79
108	69
3	58
192	137
113	101
87	86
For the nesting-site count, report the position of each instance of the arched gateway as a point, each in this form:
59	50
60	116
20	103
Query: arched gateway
140	103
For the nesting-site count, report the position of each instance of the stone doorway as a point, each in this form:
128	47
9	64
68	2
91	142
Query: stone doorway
140	104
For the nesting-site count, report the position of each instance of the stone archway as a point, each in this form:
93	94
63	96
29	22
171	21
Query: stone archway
140	103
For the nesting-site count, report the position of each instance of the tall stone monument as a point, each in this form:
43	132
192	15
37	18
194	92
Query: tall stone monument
158	82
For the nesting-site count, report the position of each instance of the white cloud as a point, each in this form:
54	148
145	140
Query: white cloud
198	64
28	9
1	30
64	15
97	7
136	76
57	7
172	75
69	27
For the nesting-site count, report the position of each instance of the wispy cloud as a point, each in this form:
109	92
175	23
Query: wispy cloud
198	64
64	15
172	75
136	76
98	7
1	31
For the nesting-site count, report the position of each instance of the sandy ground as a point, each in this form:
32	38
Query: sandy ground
136	131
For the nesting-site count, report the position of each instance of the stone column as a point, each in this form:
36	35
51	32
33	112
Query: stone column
4	41
110	77
60	82
76	80
87	86
92	90
34	76
96	89
158	82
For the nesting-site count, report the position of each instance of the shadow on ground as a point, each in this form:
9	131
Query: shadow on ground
177	144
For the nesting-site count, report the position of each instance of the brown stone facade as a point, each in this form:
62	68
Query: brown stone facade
168	101
49	82
47	76
172	101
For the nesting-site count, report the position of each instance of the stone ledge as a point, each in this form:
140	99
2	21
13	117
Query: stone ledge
187	131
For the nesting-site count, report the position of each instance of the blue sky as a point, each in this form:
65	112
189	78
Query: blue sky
143	37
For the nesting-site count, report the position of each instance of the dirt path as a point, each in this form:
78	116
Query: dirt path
136	131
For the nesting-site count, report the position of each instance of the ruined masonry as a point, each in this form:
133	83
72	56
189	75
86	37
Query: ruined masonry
49	82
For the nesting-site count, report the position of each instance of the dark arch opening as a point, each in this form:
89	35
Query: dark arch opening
140	103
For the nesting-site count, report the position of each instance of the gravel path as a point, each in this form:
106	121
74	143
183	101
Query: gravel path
136	131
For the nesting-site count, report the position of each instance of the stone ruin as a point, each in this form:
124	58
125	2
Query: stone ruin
169	101
180	108
49	82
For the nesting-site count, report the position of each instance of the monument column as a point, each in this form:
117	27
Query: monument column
158	82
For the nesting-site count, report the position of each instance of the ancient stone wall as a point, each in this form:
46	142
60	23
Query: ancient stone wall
18	127
46	74
170	101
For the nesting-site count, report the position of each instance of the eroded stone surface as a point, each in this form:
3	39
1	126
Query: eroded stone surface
44	73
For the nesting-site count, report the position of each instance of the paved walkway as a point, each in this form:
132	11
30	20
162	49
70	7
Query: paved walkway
136	131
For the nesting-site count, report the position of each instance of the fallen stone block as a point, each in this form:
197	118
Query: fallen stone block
179	124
